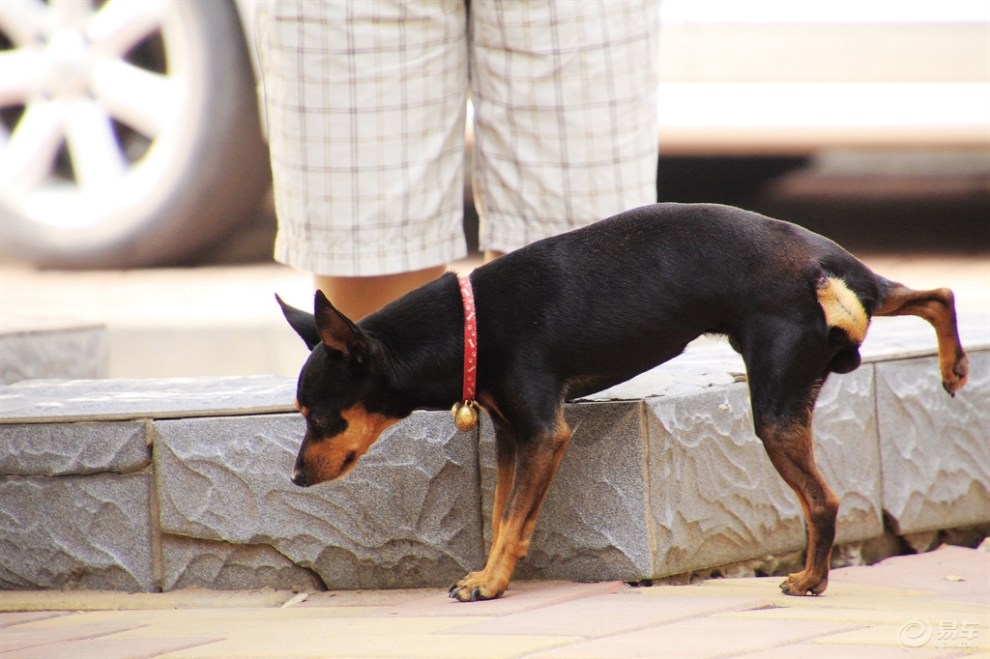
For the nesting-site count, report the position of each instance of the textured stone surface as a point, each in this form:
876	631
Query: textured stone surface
593	525
189	562
76	532
707	363
714	496
906	337
407	515
847	450
708	495
54	350
57	449
936	449
39	401
670	481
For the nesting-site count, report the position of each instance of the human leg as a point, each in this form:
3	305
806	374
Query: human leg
565	114
365	104
356	297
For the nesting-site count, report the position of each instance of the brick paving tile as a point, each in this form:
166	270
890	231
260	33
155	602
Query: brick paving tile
20	617
20	637
699	637
603	615
109	648
522	596
817	651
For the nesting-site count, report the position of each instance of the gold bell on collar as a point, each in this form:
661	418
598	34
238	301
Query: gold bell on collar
465	415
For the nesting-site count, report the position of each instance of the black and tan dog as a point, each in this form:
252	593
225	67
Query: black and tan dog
574	314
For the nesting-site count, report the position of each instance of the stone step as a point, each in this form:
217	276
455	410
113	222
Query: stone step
43	347
162	484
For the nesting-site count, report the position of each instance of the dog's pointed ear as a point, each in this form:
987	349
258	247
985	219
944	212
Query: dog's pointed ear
302	321
336	331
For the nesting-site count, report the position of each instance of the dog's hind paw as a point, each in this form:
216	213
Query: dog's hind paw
801	584
955	376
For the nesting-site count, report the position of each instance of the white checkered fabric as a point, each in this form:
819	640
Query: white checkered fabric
366	110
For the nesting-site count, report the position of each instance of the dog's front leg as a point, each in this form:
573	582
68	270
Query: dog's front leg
525	470
505	456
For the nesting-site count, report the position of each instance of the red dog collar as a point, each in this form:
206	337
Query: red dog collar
465	411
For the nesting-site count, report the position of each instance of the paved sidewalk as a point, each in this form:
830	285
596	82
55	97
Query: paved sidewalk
929	605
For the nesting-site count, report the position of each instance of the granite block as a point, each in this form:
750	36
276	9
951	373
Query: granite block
593	525
408	515
689	486
190	563
935	448
847	450
53	349
715	498
57	401
88	532
58	449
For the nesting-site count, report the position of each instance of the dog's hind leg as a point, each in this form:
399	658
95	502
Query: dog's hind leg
786	370
524	482
791	451
939	309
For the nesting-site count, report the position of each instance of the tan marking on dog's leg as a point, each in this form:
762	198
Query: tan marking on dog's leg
536	463
843	309
938	307
505	457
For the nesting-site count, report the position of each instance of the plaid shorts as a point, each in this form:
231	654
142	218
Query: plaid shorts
366	104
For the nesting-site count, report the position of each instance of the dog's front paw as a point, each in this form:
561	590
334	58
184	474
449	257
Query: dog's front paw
801	583
476	587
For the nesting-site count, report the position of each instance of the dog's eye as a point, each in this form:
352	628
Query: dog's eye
326	426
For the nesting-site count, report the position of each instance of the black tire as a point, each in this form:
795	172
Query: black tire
208	167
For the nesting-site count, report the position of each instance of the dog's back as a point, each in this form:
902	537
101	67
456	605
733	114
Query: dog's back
634	289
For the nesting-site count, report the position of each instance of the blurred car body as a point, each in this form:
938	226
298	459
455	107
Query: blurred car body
130	132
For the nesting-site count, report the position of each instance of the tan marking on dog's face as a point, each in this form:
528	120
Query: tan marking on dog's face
333	457
843	309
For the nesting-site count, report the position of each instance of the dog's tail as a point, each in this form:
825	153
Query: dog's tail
846	319
842	308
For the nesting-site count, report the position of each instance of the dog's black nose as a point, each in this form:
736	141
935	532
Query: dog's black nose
299	478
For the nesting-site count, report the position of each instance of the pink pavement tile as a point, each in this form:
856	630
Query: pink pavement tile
369	598
21	637
824	651
521	596
700	637
110	648
608	614
21	617
955	572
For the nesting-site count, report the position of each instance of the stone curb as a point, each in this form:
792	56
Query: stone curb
165	484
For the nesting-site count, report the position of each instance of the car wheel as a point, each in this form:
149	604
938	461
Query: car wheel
129	132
